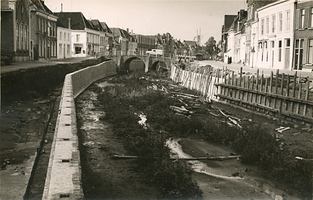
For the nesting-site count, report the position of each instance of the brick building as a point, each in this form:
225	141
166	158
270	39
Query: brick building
15	27
43	33
303	41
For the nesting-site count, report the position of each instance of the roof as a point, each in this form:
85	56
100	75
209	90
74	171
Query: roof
228	20
40	5
105	27
190	43
78	20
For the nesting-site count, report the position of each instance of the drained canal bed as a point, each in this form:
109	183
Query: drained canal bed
100	140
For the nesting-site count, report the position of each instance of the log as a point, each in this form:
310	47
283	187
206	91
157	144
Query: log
192	158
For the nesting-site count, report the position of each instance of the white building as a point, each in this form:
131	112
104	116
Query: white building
236	39
64	40
273	30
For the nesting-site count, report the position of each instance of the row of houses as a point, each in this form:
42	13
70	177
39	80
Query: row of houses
32	31
270	34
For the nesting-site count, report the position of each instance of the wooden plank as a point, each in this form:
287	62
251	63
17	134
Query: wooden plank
266	91
276	86
240	78
293	90
270	89
228	90
299	95
287	90
261	88
278	96
252	89
306	97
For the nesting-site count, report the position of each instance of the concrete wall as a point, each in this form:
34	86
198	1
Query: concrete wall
64	172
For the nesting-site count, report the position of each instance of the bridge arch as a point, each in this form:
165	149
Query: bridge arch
156	65
141	65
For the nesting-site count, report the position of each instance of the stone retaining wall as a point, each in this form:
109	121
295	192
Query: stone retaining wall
64	172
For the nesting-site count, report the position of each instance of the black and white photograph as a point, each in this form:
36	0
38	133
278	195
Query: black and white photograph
156	100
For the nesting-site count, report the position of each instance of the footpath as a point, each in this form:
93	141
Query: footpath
266	71
33	64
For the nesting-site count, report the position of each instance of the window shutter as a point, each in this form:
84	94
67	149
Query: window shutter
298	18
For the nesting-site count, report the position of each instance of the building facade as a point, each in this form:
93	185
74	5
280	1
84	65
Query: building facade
15	29
145	43
303	48
235	38
64	40
275	35
43	34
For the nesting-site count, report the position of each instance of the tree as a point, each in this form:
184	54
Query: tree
210	47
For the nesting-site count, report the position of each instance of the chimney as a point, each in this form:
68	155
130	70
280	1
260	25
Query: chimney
69	23
127	30
61	7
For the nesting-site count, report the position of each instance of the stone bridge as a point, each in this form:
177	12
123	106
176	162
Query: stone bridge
150	62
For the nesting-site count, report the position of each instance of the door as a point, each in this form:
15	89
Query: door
287	53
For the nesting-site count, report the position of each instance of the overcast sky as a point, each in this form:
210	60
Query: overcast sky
181	19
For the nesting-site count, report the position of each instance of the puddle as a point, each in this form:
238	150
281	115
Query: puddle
215	178
197	166
143	119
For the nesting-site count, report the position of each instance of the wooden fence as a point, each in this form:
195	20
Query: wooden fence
203	83
278	94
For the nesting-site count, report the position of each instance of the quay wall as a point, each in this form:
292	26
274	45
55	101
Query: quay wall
64	170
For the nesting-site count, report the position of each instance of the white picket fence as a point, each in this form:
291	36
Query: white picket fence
203	83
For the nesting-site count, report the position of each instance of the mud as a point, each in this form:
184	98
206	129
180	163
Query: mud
228	179
24	122
104	177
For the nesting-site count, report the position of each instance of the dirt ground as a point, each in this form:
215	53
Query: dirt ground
106	178
24	121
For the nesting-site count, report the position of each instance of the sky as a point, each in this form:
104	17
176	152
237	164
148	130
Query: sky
182	19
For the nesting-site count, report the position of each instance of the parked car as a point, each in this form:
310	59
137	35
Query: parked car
156	52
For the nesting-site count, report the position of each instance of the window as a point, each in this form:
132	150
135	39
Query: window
17	37
288	20
61	35
68	49
267	25
42	26
68	37
302	18
280	19
21	38
299	54
273	23
287	43
311	18
25	35
279	50
60	50
39	24
39	47
64	36
311	51
262	26
77	37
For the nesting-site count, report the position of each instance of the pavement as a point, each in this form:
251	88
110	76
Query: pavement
266	71
33	64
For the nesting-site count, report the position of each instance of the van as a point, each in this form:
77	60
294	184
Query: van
156	52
